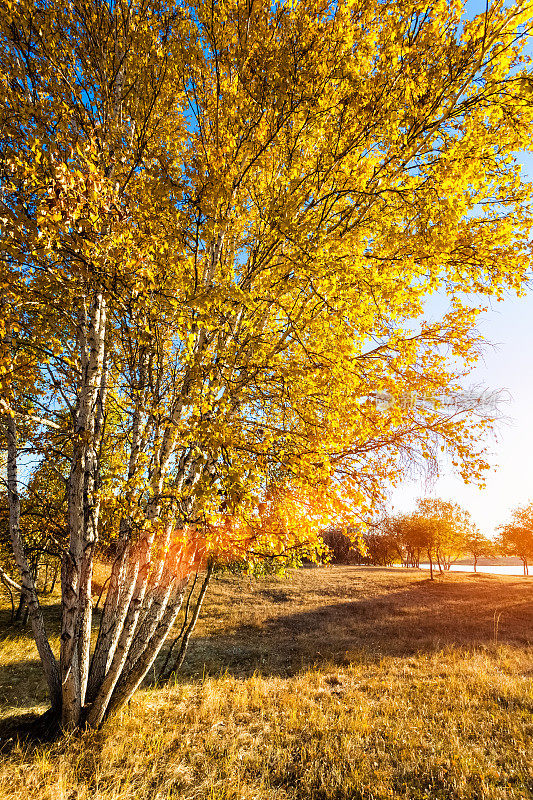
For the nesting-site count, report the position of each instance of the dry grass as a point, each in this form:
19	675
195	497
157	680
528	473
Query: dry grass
331	683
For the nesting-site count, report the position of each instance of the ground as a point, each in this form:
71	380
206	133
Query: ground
337	682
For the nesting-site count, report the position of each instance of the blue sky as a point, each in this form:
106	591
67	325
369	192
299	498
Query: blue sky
507	364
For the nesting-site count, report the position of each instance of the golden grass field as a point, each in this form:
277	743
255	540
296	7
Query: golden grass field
333	683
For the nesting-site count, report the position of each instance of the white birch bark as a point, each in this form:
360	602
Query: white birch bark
127	687
91	517
127	631
145	630
123	573
8	580
138	607
160	578
113	615
50	666
82	513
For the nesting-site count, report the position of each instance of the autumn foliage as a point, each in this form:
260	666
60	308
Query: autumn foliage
219	221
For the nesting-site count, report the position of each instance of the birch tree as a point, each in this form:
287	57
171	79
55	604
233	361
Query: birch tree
217	222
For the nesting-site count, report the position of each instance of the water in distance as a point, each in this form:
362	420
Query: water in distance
496	569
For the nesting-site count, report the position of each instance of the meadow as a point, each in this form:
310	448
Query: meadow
328	683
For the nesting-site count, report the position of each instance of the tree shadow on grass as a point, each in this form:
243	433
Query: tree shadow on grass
426	617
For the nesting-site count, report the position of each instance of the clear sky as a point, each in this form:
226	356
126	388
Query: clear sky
507	364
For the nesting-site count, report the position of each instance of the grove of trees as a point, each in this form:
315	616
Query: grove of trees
219	223
438	531
441	532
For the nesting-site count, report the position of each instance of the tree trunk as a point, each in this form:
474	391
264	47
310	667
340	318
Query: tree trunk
121	585
148	576
139	642
126	688
48	660
83	510
10	584
136	583
54	579
190	627
144	597
20	605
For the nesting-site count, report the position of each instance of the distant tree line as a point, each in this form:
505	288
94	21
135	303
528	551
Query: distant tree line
438	532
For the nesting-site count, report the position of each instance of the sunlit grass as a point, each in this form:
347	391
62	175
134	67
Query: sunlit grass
331	683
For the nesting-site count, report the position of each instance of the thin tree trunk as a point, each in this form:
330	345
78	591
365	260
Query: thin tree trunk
160	580
54	578
127	631
123	574
121	585
145	630
20	605
163	671
10	584
126	689
136	620
187	634
50	666
155	602
91	518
